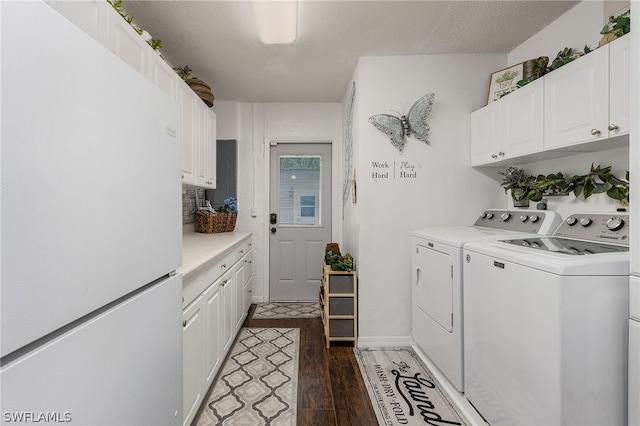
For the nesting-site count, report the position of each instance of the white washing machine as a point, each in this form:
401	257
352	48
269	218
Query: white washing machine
546	325
437	280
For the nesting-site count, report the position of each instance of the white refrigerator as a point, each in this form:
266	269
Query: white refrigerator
90	302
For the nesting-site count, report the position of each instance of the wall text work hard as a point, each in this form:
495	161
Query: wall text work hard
383	170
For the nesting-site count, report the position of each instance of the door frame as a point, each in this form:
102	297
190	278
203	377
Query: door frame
336	196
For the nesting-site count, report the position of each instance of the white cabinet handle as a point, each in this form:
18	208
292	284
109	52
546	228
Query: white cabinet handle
595	132
612	127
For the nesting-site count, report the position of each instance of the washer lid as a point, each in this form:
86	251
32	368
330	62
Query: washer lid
613	263
567	246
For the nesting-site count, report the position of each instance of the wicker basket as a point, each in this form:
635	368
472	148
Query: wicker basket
214	223
202	89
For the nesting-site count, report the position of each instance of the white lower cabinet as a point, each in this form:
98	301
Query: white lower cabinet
239	289
193	326
248	273
211	301
211	319
228	296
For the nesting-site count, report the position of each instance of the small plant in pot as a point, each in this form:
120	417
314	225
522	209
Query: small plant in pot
521	185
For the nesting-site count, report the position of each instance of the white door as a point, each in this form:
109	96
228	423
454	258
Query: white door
300	219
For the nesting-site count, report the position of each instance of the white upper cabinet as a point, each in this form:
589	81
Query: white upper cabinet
509	128
619	86
187	100
212	157
90	16
582	106
163	76
126	43
576	101
203	141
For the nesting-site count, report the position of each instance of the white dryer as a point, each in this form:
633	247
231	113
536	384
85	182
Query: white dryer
437	280
546	325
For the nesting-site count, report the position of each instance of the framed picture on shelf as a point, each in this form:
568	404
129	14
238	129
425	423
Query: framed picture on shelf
504	81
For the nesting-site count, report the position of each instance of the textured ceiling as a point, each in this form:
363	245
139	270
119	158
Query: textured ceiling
219	41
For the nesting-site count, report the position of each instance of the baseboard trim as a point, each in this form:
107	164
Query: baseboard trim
384	341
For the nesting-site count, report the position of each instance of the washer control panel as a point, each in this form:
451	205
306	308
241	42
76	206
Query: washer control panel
532	221
603	227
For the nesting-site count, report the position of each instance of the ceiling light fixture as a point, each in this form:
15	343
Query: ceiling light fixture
277	21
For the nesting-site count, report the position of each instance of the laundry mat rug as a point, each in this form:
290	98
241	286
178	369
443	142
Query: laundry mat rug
401	389
287	310
258	383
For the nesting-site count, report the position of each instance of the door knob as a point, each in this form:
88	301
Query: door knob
273	230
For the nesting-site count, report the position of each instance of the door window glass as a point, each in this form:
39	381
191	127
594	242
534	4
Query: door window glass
299	190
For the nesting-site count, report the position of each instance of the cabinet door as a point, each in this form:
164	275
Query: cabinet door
228	295
521	120
239	290
248	272
619	86
212	315
203	138
187	100
213	157
486	140
193	371
161	74
90	16
575	106
126	43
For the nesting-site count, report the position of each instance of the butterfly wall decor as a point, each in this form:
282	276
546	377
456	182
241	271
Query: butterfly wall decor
414	123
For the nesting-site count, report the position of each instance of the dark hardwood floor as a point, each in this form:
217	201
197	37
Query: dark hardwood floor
330	387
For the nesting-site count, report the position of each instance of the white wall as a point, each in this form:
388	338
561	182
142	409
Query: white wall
579	26
445	190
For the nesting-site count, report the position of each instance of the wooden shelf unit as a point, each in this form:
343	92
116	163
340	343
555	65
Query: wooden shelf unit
339	305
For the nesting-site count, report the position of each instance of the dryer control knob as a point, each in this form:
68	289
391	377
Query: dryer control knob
585	222
615	223
523	218
571	221
489	215
534	218
505	216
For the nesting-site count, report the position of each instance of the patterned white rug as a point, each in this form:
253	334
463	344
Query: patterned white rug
287	310
258	383
401	389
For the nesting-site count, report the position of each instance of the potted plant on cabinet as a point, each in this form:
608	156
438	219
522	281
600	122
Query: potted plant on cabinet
521	185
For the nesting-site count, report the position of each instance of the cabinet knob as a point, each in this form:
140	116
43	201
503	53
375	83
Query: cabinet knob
224	265
595	132
494	156
501	154
612	127
184	323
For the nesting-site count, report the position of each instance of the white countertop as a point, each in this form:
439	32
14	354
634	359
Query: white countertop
199	249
